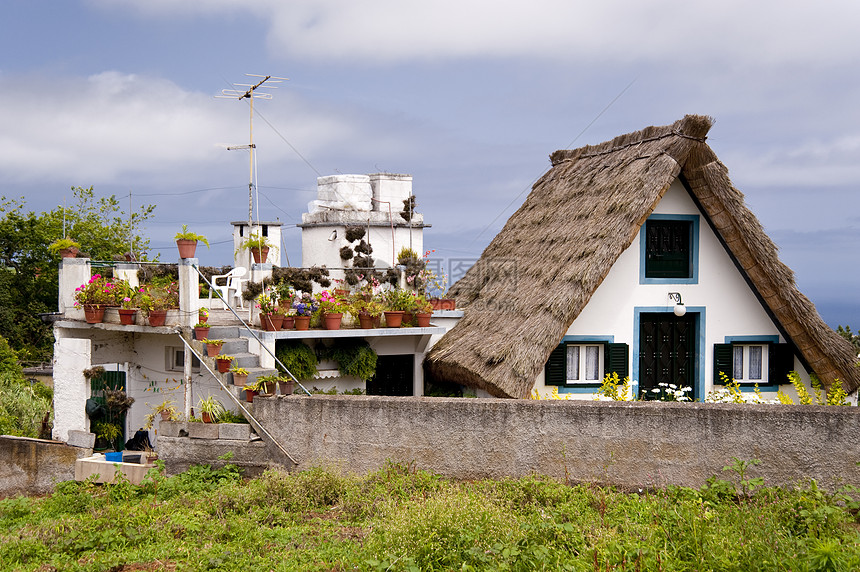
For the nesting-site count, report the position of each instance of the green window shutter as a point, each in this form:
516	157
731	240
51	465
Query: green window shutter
556	367
616	359
667	248
780	361
722	362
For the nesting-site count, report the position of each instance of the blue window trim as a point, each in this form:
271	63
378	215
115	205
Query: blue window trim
751	339
584	387
749	386
700	347
694	251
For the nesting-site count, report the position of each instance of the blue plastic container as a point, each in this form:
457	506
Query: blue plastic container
114	457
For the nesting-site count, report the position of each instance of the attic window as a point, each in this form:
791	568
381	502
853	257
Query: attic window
669	249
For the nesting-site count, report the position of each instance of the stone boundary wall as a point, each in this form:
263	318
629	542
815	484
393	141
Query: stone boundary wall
35	466
632	445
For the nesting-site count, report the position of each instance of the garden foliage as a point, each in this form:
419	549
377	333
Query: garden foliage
403	518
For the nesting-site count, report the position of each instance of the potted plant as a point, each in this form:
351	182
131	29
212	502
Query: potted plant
213	347
201	330
166	409
270	320
423	311
266	384
126	296
251	390
65	247
367	312
211	410
95	296
224	363
396	302
333	308
203	315
305	308
186	242
240	375
155	300
258	245
286	293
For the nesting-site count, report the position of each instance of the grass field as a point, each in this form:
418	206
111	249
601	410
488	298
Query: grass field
400	518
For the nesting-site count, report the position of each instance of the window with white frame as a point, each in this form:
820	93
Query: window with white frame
749	363
584	363
175	359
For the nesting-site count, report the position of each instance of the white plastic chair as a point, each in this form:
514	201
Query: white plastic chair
233	281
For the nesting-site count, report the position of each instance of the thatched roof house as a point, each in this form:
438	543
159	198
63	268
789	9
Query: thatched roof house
541	270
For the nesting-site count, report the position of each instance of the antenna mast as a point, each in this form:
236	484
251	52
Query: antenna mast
250	92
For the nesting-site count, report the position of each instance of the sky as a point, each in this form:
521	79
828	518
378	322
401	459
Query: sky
468	97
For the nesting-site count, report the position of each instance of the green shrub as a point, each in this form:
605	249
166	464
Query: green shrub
298	358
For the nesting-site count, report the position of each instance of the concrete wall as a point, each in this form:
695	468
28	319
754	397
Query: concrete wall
634	445
34	466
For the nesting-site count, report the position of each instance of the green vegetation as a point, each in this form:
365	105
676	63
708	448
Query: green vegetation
25	407
400	518
29	269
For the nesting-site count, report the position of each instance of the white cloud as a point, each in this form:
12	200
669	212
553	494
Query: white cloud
125	128
737	32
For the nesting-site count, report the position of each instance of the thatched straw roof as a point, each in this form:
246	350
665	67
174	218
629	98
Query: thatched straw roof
540	271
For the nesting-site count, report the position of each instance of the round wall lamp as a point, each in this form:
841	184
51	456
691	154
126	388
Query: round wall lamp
679	308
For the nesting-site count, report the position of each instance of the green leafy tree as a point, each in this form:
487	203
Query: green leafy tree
850	336
29	271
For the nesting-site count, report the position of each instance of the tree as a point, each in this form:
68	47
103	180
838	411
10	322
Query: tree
850	336
29	272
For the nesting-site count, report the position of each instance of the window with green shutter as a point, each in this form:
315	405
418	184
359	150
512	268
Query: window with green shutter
753	362
668	248
584	364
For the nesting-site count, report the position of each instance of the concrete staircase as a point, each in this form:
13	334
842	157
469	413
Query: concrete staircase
235	346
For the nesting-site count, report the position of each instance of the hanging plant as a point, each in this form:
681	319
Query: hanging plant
346	253
408	208
354	358
298	358
354	233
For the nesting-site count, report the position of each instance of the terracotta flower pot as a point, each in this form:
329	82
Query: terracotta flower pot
157	317
165	415
393	318
202	318
69	252
365	321
289	323
260	254
126	316
204	415
286	387
94	313
303	322
271	322
187	248
333	320
249	395
213	350
240	379
201	333
423	320
223	365
268	388
407	318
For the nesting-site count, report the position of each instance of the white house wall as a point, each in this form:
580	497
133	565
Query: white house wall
729	307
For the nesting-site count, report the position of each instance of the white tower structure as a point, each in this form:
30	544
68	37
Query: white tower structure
374	202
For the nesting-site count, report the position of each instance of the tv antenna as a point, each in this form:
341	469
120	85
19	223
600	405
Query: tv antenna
249	92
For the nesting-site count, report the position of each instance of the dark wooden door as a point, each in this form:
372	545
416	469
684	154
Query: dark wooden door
394	375
667	352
